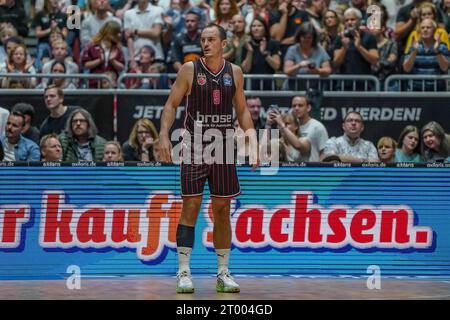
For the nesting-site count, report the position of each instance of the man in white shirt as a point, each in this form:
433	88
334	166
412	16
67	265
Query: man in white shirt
143	26
310	128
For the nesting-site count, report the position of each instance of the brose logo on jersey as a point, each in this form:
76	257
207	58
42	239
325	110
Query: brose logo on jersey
214	118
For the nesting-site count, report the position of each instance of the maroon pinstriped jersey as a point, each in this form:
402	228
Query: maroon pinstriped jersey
210	102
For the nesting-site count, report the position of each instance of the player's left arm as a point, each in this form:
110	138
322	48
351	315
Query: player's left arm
243	115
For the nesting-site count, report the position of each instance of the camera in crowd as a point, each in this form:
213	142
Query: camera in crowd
348	32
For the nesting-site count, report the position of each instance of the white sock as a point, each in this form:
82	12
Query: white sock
184	258
223	255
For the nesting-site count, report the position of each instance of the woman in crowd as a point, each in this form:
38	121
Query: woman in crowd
435	145
427	11
17	63
333	28
386	147
139	146
408	145
112	152
6	32
104	53
63	83
258	8
306	57
224	10
262	54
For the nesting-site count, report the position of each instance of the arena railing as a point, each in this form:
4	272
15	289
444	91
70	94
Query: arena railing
258	82
417	83
84	76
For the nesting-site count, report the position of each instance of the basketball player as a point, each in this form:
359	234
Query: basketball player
212	86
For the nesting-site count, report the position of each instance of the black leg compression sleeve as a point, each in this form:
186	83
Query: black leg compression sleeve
185	236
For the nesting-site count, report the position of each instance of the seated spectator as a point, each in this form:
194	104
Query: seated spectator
139	146
427	10
186	46
293	147
143	26
51	149
427	57
306	57
147	64
55	35
350	147
92	23
435	145
285	22
13	14
239	39
105	84
16	147
5	33
56	121
60	54
254	106
112	152
387	50
17	63
222	13
4	114
333	28
104	53
44	22
386	147
28	131
63	83
262	55
310	128
408	145
356	51
80	141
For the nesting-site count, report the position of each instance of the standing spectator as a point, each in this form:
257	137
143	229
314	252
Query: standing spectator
386	147
139	146
92	24
13	14
262	54
362	6
356	50
60	54
435	146
350	147
284	24
293	147
333	28
306	57
239	39
387	50
224	11
16	147
186	46
112	152
408	145
80	141
6	32
254	107
316	10
17	63
147	64
427	57
143	26
55	122
44	22
310	128
51	149
104	53
29	131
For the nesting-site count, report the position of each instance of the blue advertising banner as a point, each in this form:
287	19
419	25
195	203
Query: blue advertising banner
121	220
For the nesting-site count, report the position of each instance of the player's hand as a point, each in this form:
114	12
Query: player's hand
165	148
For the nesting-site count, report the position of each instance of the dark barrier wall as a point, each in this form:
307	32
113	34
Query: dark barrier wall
100	106
383	116
335	220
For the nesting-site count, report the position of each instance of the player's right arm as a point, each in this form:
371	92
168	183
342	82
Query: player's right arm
180	88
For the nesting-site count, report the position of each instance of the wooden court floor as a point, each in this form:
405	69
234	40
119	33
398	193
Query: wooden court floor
252	288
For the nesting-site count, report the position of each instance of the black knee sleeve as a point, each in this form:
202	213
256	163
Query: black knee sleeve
185	236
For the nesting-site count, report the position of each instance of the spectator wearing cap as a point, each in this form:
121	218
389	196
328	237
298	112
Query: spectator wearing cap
29	131
186	46
16	146
80	141
350	147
